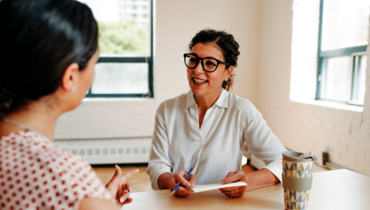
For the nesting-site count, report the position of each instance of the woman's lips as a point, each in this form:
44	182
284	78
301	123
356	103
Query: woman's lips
199	82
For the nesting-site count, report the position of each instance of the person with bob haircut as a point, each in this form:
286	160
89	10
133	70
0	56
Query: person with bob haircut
206	128
47	57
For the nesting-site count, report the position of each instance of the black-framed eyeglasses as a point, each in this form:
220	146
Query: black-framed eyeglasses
209	64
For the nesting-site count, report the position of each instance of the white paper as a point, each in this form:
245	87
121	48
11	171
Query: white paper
201	188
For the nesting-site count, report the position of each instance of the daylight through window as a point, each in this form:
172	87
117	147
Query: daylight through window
125	65
342	51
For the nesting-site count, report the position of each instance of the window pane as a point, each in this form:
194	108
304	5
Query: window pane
359	86
123	28
345	23
120	78
337	79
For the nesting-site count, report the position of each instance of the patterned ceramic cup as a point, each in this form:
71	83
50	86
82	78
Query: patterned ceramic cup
297	179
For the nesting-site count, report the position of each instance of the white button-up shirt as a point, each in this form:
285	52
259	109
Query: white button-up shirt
179	143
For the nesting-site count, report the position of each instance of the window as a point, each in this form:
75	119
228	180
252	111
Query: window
342	45
125	66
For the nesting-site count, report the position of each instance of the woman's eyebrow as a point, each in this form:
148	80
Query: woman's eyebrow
205	57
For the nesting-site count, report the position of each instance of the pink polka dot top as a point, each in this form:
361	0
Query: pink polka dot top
36	174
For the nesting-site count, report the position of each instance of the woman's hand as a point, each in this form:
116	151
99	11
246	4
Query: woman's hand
234	192
119	191
190	181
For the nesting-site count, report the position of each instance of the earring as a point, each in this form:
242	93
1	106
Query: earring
73	89
226	79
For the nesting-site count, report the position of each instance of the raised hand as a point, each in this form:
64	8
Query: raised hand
118	190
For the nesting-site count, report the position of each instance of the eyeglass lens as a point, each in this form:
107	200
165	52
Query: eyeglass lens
209	64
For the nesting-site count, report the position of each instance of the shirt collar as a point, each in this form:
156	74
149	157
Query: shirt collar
190	99
222	101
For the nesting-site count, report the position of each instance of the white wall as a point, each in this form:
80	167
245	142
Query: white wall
176	23
264	29
303	127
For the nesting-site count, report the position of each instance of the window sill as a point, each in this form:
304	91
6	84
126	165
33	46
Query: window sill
331	105
113	99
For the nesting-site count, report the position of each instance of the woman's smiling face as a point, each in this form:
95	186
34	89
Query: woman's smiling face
204	83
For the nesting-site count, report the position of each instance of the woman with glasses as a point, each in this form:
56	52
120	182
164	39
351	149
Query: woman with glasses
47	57
206	128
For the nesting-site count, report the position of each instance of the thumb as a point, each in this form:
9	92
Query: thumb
232	178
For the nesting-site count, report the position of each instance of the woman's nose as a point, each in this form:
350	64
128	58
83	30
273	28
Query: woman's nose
199	68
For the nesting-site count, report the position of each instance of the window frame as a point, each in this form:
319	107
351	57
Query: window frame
340	52
130	59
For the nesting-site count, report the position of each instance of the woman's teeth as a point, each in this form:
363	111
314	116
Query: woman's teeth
199	80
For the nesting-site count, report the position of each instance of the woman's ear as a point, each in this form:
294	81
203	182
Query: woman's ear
70	77
229	71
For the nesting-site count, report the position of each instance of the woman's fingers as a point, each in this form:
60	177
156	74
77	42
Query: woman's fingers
179	176
115	178
233	177
228	189
128	200
118	190
192	179
127	175
181	191
124	197
126	186
234	194
231	191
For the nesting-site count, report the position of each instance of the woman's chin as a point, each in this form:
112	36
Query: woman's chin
199	92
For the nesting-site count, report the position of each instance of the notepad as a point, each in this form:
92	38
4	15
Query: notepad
201	188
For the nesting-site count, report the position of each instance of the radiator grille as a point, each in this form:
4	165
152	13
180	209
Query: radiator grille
109	151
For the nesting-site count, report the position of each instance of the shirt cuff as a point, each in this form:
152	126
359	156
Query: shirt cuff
154	177
276	168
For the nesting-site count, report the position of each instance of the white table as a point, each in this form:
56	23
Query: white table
339	189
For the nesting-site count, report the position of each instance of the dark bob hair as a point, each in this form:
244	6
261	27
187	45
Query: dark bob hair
227	44
39	39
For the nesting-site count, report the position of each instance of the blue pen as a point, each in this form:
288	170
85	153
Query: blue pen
178	185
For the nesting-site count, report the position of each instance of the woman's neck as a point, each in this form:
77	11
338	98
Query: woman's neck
207	101
39	115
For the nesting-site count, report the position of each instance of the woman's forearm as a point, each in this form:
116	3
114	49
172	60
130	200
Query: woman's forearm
261	178
164	181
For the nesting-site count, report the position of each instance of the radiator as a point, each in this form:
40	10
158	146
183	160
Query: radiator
109	151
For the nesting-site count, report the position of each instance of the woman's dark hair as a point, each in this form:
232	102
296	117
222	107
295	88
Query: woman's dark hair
228	45
39	39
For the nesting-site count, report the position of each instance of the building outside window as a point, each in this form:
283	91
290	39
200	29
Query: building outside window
342	56
125	66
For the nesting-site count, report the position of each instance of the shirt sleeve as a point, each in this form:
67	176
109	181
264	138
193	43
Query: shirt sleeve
159	160
264	144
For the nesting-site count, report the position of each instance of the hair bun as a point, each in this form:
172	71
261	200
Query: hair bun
6	99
